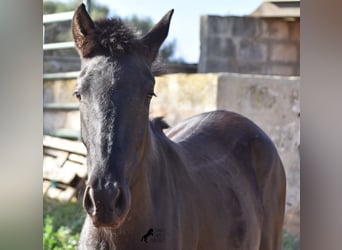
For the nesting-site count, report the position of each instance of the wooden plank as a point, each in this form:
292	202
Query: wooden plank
53	193
78	158
77	168
65	145
46	186
60	156
67	194
58	174
51	152
50	162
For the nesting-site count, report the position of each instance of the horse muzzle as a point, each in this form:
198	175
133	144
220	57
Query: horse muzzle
107	203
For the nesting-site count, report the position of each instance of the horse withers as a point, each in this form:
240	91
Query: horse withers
214	181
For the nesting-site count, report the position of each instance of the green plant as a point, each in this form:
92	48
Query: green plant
290	242
62	225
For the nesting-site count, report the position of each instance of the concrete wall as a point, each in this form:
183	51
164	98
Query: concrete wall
249	45
272	102
182	95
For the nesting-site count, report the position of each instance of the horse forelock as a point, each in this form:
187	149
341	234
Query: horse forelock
114	36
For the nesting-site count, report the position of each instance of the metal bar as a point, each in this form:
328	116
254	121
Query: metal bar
64	133
61	106
64	16
61	75
63	45
58	17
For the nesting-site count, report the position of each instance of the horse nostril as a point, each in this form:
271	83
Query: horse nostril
119	201
105	202
88	201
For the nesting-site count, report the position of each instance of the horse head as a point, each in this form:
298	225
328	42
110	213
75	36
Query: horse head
114	89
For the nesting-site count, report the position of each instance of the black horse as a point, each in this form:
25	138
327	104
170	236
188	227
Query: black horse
215	181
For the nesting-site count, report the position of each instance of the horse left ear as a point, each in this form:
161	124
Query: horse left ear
82	28
156	36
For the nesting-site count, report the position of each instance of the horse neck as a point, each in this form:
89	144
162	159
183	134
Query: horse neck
151	165
146	179
156	170
164	168
154	189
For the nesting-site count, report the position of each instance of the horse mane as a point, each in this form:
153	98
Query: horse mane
158	124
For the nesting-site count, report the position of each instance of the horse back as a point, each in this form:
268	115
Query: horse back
231	151
218	133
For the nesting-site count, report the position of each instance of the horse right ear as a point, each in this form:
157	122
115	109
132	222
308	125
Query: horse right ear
83	27
156	36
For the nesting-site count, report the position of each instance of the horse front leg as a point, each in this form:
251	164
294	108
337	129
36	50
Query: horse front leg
93	238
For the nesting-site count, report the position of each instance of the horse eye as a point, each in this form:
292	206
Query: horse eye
77	94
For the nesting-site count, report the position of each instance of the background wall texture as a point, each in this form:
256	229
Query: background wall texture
250	45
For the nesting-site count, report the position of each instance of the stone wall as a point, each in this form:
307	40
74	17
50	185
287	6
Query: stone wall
273	103
250	45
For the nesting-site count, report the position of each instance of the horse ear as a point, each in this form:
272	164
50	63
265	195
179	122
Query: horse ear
156	36
82	27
